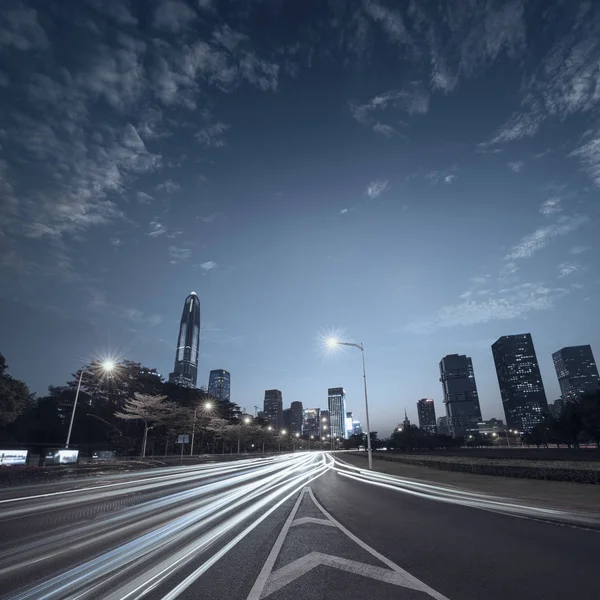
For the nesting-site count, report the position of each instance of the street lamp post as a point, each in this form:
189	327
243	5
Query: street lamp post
332	343
107	366
283	432
207	406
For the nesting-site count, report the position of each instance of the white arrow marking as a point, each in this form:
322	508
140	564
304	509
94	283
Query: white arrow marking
303	520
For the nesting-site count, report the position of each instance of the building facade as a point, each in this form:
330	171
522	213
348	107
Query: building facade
520	381
443	427
426	412
348	424
576	371
311	423
356	428
219	385
285	419
273	408
325	423
296	416
460	394
491	427
336	401
185	372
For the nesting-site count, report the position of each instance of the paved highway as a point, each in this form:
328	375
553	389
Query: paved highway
303	526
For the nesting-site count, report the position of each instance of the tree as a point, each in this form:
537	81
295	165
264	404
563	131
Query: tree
150	409
14	396
590	415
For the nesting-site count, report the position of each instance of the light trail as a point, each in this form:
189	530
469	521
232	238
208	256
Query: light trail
149	543
454	495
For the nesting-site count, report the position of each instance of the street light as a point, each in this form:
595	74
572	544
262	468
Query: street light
105	367
207	406
333	343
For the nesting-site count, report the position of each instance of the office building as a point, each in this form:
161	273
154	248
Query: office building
219	385
285	419
185	372
356	427
325	423
520	381
426	412
443	427
336	400
311	424
348	424
296	416
491	427
273	408
576	371
460	394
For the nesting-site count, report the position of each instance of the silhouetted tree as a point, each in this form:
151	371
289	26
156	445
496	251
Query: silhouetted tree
14	396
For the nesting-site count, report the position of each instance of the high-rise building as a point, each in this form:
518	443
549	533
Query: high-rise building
311	424
348	424
406	422
460	394
336	400
219	385
576	371
356	428
491	427
274	408
426	411
443	426
296	417
520	381
325	423
285	419
185	372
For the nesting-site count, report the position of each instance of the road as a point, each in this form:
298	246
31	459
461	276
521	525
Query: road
303	526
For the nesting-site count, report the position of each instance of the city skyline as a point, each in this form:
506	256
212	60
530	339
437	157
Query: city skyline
332	173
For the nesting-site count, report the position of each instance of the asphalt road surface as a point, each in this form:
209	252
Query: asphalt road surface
305	526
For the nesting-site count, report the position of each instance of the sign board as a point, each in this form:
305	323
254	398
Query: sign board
183	439
104	455
13	457
61	457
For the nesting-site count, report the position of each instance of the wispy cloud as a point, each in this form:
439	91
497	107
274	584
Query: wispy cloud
156	228
385	130
442	176
169	187
376	188
552	206
579	249
391	22
567	268
144	198
212	135
21	28
506	304
208	218
173	16
516	166
542	236
140	318
208	265
178	254
343	211
590	153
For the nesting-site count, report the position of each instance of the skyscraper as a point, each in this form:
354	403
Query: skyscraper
185	372
312	422
576	371
274	408
348	424
460	394
426	411
219	385
325	423
296	416
336	399
520	381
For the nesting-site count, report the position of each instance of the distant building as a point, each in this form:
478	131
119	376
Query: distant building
296	416
286	419
520	381
357	427
185	372
336	399
273	408
348	424
219	385
576	371
491	426
555	408
406	422
443	427
426	412
325	423
311	424
460	394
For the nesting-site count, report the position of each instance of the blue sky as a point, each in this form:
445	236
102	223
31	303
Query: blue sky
421	176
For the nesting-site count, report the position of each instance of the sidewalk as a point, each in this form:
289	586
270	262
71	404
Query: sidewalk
547	494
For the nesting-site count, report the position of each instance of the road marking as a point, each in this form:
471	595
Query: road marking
303	520
269	582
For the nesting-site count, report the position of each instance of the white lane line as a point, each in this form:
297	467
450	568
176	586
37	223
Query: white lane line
303	520
297	568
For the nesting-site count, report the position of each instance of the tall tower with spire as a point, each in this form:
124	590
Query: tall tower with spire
185	372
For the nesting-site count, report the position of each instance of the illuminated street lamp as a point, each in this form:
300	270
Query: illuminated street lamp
333	343
283	432
106	366
207	406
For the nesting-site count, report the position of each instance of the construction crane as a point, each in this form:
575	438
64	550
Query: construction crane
255	411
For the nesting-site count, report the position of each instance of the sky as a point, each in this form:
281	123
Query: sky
422	177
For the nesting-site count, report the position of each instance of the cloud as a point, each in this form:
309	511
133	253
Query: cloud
21	29
208	218
516	166
140	318
442	176
590	152
208	265
552	206
506	304
390	20
116	242
579	249
178	255
156	229
376	188
508	269
212	135
567	268
385	130
144	198
343	211
542	236
173	16
169	187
